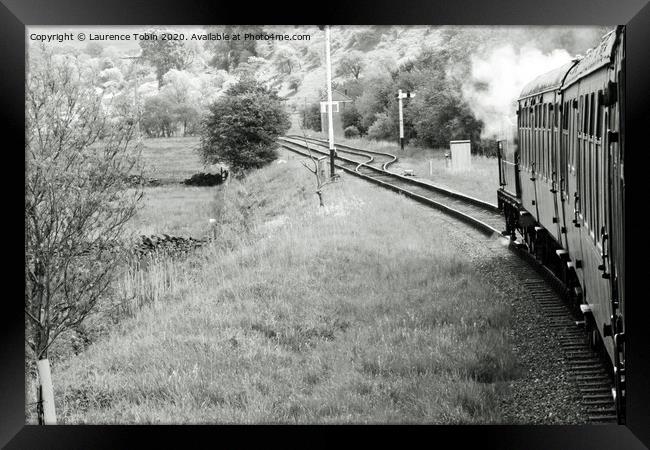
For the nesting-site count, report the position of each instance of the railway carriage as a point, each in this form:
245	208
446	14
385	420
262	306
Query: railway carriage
563	195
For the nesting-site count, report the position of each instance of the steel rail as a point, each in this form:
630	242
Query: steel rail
346	163
410	180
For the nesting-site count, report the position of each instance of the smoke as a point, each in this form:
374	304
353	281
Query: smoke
497	79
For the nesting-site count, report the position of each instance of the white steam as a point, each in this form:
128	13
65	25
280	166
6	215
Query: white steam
497	80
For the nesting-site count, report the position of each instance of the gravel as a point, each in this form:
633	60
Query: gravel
545	391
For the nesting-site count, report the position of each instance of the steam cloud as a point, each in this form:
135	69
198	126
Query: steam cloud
497	80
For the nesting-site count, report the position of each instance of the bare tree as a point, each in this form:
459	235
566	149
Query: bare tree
78	196
321	177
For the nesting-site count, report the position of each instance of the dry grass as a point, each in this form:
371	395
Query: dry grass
303	314
481	181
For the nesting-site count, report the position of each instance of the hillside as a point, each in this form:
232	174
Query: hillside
490	63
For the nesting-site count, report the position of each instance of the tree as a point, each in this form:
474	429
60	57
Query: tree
317	168
77	200
242	127
94	49
351	117
311	117
166	54
229	54
158	116
294	83
351	64
286	59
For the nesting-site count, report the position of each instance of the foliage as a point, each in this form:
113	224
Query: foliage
351	117
77	198
286	59
351	132
311	118
94	49
384	127
435	116
367	39
229	54
157	117
486	147
377	97
165	55
351	64
353	88
242	127
294	83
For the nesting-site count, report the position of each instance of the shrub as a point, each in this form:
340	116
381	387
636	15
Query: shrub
241	127
383	127
351	132
311	117
351	117
486	147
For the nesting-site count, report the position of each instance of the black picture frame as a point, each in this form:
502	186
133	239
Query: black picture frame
16	14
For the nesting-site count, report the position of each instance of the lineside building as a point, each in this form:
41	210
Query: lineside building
339	102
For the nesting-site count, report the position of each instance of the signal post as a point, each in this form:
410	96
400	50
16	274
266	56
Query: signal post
401	95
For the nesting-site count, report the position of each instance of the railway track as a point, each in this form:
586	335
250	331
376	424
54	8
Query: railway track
364	164
587	367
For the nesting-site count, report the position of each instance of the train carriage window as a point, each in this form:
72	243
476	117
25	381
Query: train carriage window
556	115
599	117
565	115
585	116
592	182
544	114
591	115
580	111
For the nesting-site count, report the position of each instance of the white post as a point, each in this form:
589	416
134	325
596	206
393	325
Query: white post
401	120
328	69
45	379
431	167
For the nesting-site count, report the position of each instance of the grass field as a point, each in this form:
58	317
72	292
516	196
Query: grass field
360	311
173	208
171	159
481	181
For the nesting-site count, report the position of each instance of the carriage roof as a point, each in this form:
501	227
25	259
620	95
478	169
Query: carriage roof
569	73
546	82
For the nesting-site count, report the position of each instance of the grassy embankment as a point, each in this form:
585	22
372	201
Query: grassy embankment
361	311
480	181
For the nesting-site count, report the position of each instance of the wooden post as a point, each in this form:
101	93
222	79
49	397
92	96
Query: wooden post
45	379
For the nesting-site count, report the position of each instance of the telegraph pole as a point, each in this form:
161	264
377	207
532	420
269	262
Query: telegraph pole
328	68
400	96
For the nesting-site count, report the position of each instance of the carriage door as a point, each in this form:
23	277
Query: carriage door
563	177
578	198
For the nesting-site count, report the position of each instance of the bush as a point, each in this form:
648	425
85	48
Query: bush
486	147
383	127
241	127
351	132
351	117
311	117
206	179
